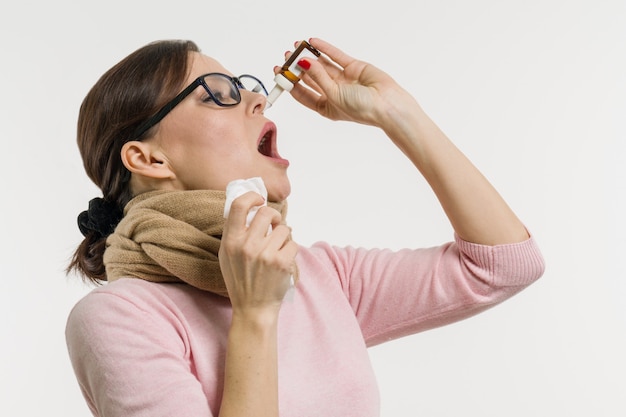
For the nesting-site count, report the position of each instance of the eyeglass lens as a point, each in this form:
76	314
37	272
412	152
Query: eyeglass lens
226	92
252	84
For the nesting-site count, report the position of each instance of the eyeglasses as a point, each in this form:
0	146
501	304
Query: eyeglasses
222	89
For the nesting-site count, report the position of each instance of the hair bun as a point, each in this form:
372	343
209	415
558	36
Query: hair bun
102	217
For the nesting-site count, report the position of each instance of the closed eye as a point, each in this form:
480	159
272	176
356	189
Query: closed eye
216	96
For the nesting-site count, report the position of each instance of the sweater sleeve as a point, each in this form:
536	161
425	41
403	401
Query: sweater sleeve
132	360
395	294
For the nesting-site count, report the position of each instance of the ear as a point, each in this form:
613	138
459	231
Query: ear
143	159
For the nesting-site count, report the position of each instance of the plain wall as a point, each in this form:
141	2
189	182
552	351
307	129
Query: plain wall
532	91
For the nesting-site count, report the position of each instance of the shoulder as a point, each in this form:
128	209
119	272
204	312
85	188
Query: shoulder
123	295
133	293
134	303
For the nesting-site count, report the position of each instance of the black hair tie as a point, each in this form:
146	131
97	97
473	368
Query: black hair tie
102	217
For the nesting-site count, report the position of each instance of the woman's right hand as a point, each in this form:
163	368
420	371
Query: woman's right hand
256	266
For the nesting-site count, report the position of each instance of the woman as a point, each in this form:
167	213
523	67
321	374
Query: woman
204	330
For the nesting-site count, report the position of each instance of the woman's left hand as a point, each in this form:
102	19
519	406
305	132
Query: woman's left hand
343	88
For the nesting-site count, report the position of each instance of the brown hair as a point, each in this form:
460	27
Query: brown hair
126	95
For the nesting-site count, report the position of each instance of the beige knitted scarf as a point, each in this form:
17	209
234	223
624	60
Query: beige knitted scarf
171	236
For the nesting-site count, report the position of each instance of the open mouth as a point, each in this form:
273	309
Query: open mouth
267	142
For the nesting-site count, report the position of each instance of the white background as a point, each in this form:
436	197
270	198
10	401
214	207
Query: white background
533	91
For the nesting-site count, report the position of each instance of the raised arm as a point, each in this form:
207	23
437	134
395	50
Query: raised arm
343	88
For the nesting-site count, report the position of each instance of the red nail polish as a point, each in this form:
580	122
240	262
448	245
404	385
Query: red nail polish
304	64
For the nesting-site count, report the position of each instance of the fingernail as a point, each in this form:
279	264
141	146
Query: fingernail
304	64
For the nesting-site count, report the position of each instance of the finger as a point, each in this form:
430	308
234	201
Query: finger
282	251
309	84
288	253
240	208
281	240
286	56
332	52
264	218
306	80
321	84
331	67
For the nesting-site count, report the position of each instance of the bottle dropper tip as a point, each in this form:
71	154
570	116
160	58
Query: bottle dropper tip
273	95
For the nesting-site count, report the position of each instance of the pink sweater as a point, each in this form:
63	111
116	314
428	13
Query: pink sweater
146	349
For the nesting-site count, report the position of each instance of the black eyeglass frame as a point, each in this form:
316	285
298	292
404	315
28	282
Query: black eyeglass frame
158	116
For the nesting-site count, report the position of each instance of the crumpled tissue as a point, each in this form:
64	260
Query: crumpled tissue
237	188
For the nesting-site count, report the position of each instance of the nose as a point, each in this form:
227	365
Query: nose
254	102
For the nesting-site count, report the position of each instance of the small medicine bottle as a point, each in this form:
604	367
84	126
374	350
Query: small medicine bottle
290	72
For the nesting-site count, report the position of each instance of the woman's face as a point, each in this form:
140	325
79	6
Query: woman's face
208	146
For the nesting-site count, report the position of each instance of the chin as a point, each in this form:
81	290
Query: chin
278	192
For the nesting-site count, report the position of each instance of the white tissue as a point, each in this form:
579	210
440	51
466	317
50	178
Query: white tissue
237	188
